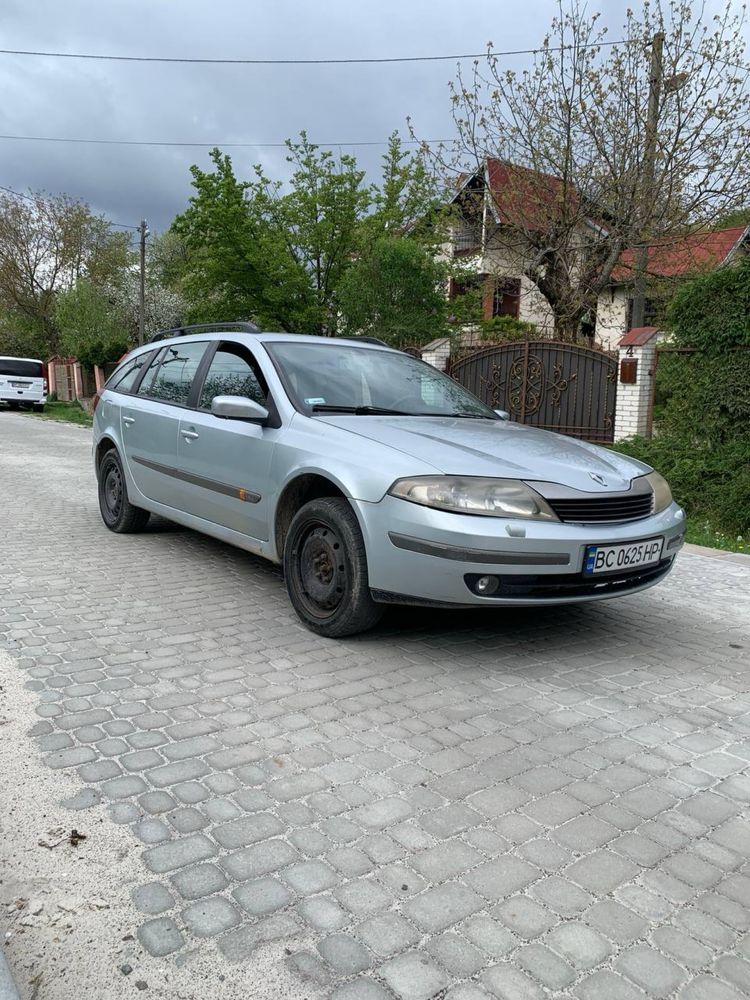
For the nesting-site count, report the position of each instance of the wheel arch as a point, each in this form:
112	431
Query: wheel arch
302	488
104	445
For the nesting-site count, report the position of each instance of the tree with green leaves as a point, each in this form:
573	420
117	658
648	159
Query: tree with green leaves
235	263
47	245
395	292
318	218
91	328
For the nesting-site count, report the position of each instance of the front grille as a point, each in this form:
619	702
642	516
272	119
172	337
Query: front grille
603	509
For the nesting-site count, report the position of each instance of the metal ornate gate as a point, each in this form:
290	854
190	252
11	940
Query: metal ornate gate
546	383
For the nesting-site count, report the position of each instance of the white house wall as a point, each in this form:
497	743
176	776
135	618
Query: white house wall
611	317
505	261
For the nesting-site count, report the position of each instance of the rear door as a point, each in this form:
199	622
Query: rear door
227	462
22	380
150	422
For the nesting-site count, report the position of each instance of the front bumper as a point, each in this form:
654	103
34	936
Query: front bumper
418	555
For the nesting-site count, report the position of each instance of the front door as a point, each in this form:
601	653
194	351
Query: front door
150	422
227	462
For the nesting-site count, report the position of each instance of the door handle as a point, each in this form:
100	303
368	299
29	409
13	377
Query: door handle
190	435
128	421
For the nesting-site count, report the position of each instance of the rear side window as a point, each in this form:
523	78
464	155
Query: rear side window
232	372
22	369
174	376
125	377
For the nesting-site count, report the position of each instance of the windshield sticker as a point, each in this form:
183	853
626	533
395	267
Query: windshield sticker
315	400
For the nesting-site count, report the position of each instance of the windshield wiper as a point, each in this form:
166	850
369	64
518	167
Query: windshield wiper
465	416
360	410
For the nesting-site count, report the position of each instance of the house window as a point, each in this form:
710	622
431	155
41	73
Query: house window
652	312
506	297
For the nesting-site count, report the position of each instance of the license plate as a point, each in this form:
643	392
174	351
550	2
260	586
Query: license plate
618	558
20	385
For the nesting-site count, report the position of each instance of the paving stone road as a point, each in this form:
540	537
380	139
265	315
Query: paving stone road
521	804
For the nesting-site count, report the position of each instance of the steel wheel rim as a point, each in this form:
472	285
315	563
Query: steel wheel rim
112	491
320	569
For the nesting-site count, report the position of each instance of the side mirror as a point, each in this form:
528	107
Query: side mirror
239	408
503	414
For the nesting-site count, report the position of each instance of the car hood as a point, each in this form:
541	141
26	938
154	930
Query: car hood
496	448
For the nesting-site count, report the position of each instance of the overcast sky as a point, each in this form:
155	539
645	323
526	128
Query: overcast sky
263	104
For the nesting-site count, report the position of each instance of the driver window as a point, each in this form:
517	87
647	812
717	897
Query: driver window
232	372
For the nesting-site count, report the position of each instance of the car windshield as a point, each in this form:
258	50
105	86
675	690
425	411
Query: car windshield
336	378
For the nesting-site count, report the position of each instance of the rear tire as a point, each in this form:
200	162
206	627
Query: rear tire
14	404
325	569
38	407
118	513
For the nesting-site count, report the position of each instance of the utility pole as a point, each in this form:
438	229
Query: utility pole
142	229
647	179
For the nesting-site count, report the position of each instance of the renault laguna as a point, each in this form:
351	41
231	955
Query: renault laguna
372	477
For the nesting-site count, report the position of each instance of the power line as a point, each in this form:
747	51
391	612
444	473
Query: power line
28	197
107	57
204	145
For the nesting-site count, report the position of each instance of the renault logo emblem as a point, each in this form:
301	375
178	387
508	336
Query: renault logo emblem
598	479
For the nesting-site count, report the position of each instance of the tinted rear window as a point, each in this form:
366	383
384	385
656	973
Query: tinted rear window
24	369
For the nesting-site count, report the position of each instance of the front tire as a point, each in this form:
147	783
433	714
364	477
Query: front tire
325	568
118	513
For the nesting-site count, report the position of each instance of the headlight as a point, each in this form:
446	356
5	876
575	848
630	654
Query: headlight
662	492
491	497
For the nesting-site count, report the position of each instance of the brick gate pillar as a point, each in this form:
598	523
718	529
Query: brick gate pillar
635	376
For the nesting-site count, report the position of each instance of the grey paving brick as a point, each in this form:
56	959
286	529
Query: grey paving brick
123	787
413	976
446	860
199	880
247	830
561	896
606	983
260	859
441	907
261	896
156	802
681	947
153	898
210	916
616	922
387	934
502	877
456	955
178	853
152	831
363	896
380	814
361	988
160	936
546	967
658	975
601	871
171	774
708	988
582	946
509	983
323	913
344	954
524	916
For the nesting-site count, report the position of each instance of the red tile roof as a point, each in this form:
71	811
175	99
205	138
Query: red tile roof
638	336
681	256
526	198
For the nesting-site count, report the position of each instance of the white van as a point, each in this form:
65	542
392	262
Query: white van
23	382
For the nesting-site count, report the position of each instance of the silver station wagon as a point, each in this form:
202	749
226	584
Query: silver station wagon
372	477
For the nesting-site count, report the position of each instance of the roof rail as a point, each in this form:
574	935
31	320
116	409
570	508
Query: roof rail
181	331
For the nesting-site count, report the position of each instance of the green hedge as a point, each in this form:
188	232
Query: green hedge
702	403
